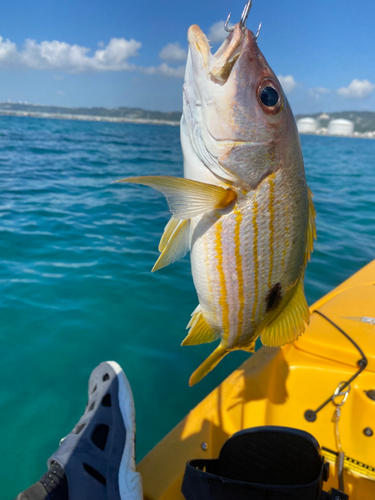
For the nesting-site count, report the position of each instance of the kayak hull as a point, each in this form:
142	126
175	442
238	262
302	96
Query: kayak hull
276	386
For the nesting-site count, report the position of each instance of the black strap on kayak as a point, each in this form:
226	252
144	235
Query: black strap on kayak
310	415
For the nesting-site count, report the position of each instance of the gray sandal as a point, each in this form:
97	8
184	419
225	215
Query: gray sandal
98	455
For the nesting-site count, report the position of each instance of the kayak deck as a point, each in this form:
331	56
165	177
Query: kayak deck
276	386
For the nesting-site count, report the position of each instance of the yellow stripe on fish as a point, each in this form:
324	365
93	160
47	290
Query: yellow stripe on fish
223	286
255	260
241	297
271	225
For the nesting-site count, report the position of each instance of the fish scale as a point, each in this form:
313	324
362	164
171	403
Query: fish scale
241	280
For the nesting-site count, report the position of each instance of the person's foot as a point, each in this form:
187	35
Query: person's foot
96	460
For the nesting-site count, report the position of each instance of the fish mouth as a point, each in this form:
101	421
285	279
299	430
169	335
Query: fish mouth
219	65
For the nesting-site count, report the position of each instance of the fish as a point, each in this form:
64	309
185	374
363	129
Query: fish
243	208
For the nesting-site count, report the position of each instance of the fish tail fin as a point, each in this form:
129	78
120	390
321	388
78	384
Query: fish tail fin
208	365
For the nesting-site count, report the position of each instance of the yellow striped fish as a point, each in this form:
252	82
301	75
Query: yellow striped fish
243	209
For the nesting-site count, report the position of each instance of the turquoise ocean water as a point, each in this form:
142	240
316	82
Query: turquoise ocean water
76	288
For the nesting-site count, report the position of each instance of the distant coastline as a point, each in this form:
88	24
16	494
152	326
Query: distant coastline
117	115
90	118
363	121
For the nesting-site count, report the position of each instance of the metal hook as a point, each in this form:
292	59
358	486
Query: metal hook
245	14
258	31
226	24
339	392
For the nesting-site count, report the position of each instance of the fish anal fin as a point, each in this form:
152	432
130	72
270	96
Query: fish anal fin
290	323
311	227
187	198
177	245
200	331
208	365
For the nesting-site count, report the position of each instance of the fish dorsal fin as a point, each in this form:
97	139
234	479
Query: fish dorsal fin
176	246
208	364
311	228
187	198
289	324
200	331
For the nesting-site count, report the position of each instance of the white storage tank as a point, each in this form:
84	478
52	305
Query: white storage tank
307	125
340	127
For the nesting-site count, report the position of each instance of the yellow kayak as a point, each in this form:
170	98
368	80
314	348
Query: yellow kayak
292	386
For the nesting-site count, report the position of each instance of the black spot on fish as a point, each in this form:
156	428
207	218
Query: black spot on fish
273	297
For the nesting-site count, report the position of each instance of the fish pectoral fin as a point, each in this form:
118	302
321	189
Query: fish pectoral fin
208	365
187	198
289	324
168	231
311	227
200	331
175	244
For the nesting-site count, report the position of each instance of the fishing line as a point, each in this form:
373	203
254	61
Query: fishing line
336	418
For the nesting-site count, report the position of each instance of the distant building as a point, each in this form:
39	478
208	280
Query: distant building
340	127
324	116
307	125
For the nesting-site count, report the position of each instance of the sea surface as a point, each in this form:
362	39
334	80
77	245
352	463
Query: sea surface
76	253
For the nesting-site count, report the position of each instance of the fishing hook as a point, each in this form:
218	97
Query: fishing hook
258	31
245	15
226	24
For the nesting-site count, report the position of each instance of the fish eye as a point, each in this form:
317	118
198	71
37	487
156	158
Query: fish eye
270	96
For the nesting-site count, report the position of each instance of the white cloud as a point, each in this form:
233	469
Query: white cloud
61	56
175	72
8	52
315	94
322	90
114	56
357	89
165	69
217	32
71	58
173	52
287	82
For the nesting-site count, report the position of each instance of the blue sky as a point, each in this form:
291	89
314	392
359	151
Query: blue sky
132	53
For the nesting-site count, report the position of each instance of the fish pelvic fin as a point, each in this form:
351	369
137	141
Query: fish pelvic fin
187	198
208	365
200	331
311	227
174	244
289	324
